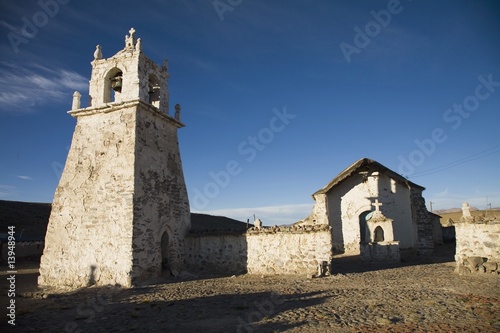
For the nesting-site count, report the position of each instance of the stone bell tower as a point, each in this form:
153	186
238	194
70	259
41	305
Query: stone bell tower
121	210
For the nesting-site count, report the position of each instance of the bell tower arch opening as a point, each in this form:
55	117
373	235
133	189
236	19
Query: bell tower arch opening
154	90
113	84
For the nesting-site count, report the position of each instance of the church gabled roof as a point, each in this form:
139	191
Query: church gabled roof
362	165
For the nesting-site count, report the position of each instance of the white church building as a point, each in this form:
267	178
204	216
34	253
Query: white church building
367	192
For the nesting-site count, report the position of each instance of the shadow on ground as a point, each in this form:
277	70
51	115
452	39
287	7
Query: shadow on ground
149	309
353	264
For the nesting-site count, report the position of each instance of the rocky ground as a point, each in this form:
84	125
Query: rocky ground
416	296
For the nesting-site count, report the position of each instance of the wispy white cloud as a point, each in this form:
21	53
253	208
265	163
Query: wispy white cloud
27	86
270	215
7	191
25	177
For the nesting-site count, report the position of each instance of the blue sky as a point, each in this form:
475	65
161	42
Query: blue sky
279	95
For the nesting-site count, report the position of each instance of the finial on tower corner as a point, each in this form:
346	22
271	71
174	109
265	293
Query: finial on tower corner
76	100
177	114
98	52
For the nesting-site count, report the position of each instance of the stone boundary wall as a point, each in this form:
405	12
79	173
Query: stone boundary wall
478	247
216	252
425	243
288	250
24	249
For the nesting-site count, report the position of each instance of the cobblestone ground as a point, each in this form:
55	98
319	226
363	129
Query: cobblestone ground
421	297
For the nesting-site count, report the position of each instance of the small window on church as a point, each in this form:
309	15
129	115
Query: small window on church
393	186
378	234
154	91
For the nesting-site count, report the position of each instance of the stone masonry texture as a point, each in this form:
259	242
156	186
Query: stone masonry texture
122	187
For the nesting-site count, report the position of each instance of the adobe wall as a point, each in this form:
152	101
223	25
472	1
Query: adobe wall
288	250
216	253
477	247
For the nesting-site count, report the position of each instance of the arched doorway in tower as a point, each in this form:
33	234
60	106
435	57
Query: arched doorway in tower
165	262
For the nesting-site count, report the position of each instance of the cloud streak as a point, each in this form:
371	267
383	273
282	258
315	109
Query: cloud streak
32	85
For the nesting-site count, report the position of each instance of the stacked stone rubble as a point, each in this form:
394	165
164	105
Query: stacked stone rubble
477	245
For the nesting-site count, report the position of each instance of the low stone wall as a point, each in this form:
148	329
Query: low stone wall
216	253
380	252
478	247
288	250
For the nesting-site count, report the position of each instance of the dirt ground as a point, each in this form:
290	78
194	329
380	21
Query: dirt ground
421	295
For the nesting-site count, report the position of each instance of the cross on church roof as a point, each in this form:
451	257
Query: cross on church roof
377	205
132	32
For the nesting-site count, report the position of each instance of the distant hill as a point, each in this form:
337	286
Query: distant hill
459	210
32	218
452	210
456	213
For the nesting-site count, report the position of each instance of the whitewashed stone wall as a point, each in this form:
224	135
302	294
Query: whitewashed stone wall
477	247
161	202
216	253
90	229
295	250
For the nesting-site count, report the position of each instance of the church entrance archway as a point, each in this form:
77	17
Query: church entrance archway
364	233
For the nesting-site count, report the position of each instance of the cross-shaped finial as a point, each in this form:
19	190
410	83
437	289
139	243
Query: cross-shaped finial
377	205
132	32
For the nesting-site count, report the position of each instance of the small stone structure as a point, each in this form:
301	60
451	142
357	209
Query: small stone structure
381	246
477	243
121	210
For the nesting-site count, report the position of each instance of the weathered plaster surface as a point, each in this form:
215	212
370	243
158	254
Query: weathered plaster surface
223	253
477	247
288	250
89	235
